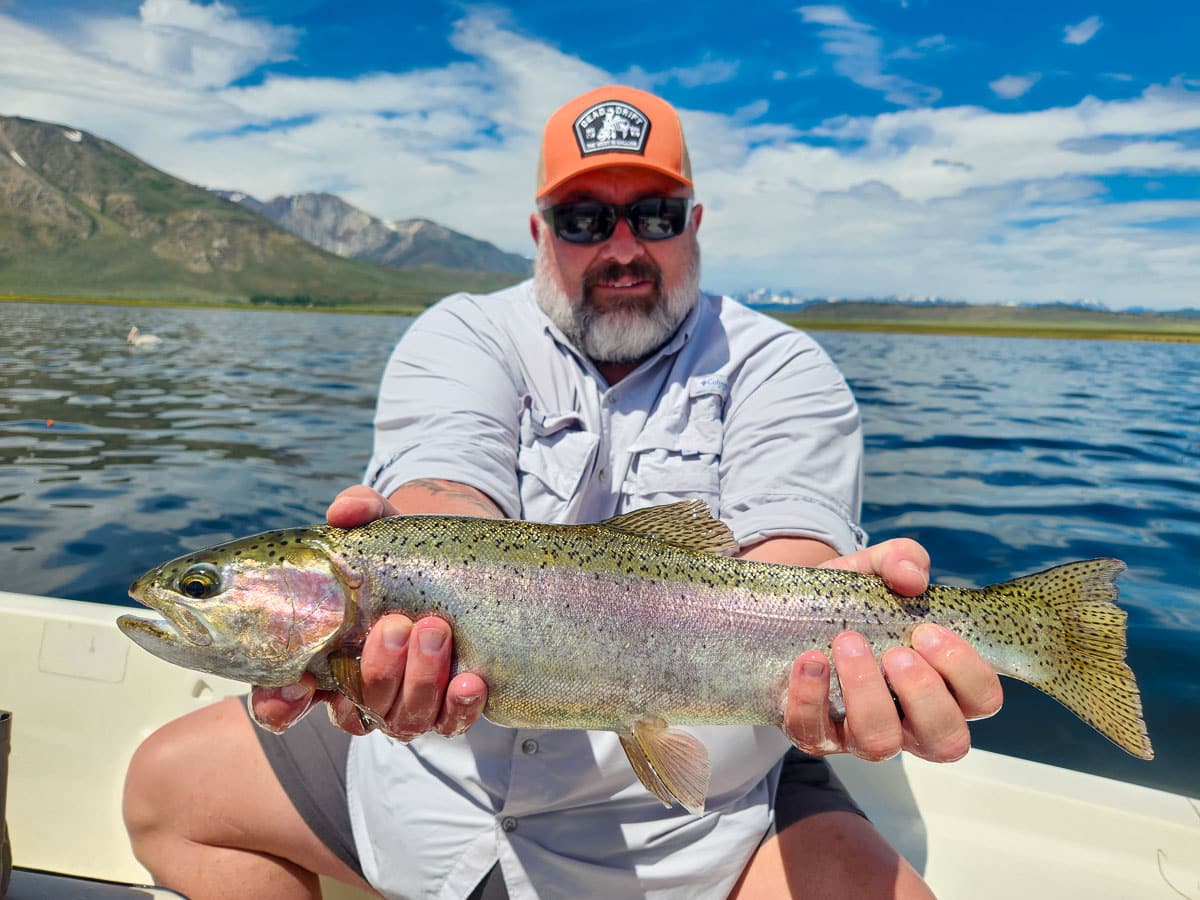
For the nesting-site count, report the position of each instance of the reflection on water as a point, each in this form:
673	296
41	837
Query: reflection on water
1002	456
115	457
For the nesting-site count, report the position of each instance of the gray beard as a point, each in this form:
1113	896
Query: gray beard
621	335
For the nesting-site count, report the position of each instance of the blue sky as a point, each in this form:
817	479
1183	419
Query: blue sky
979	151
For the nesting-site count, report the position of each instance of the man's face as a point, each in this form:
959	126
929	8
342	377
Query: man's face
620	300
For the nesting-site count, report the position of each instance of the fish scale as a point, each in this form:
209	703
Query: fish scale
636	625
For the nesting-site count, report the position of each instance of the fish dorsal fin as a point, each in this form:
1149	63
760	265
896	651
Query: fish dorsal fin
671	763
687	524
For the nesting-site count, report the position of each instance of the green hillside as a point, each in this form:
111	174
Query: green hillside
80	217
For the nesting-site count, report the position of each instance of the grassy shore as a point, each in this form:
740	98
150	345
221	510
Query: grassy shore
1181	333
979	320
995	320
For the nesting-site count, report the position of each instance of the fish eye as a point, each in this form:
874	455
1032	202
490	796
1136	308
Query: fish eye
200	582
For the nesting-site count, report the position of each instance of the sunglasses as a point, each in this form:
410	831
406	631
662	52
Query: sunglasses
591	221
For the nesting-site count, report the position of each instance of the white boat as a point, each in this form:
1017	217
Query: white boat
990	826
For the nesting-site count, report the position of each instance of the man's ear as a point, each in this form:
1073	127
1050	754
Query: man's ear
697	215
535	227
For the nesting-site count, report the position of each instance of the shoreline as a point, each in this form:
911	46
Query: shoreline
235	305
1185	332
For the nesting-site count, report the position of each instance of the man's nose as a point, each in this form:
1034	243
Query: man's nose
623	246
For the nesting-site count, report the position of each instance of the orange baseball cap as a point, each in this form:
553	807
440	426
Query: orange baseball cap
612	126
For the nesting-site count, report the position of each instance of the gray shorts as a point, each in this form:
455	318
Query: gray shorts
309	759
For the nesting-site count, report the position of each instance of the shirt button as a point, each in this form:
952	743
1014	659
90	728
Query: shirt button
508	823
529	747
602	474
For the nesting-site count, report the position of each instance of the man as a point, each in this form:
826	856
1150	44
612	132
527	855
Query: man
608	383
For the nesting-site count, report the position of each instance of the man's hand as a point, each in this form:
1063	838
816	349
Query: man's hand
405	665
940	684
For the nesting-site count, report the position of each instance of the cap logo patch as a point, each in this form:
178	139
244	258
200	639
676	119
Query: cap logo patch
612	126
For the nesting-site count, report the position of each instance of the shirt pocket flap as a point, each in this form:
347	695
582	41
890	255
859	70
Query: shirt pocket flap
679	450
556	451
692	424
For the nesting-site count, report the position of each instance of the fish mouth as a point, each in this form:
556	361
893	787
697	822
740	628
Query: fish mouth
187	625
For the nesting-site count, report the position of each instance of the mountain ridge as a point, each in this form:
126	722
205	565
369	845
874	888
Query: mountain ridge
339	227
81	216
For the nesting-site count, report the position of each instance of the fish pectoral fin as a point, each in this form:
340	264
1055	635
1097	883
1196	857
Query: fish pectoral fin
671	763
346	671
347	675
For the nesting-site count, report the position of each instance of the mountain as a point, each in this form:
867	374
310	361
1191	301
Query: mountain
80	216
334	225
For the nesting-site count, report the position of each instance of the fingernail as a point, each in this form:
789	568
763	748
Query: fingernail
854	645
293	692
469	700
927	638
395	633
431	640
912	568
812	668
901	658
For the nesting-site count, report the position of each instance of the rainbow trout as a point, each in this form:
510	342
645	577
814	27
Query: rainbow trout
634	625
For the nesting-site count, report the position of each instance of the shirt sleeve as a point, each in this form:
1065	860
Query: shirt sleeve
449	406
791	463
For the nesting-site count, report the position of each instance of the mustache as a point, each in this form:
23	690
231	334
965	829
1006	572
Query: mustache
639	269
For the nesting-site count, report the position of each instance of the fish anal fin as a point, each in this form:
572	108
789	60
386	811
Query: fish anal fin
688	524
676	760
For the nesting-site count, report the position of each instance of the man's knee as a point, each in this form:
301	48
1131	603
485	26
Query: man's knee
170	772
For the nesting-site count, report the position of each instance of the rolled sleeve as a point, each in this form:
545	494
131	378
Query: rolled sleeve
792	460
449	406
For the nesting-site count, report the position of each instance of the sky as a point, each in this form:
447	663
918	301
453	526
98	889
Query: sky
988	152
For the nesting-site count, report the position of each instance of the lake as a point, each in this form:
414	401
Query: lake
1002	456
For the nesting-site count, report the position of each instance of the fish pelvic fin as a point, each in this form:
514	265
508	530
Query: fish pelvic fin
688	524
671	763
1080	646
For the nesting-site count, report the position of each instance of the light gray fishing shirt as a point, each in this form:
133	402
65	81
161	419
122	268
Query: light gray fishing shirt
737	409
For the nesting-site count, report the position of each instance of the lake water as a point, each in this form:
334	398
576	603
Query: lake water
1002	456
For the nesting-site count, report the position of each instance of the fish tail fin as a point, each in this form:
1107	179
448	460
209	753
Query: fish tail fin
1078	652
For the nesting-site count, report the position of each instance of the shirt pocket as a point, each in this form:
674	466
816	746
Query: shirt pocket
678	454
555	456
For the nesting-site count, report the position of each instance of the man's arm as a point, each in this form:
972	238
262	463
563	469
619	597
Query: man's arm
405	666
940	684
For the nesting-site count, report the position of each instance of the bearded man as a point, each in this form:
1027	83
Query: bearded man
607	383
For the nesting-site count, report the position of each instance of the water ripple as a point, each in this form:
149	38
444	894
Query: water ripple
1002	456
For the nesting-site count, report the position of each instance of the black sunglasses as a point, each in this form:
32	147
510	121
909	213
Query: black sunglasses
591	221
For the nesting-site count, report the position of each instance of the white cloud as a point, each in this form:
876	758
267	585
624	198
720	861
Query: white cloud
189	43
858	55
710	71
958	201
1083	32
1012	86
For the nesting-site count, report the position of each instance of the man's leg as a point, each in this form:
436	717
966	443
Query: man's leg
821	846
831	855
208	817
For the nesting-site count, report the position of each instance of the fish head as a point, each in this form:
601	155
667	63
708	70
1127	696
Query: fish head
257	609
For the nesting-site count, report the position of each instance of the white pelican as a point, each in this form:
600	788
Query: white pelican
138	339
